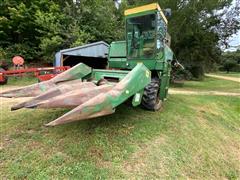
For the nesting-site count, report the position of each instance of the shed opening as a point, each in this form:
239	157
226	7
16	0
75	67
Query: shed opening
94	62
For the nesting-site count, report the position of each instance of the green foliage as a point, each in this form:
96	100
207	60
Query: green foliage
101	19
198	28
2	53
24	50
58	30
17	29
230	61
235	56
178	76
37	29
230	65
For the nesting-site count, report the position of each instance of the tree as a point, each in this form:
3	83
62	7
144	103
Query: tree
57	29
199	28
37	29
17	28
230	61
229	24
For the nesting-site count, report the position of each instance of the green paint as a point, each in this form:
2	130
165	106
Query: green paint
144	43
117	49
137	98
136	80
98	74
79	71
42	87
132	83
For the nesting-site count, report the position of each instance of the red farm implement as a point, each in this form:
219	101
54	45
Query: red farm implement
43	73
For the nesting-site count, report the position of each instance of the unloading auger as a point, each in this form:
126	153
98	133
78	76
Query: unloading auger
141	64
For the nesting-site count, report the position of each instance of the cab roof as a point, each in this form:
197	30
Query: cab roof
149	7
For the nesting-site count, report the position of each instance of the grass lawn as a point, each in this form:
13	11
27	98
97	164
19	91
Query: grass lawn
195	137
211	84
21	81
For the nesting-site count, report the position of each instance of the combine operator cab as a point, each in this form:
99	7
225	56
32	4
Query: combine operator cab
145	35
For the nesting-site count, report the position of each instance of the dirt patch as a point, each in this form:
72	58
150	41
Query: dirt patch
5	142
224	77
216	93
209	108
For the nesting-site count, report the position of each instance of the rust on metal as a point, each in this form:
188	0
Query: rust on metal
71	99
75	73
95	107
76	85
29	91
88	99
106	102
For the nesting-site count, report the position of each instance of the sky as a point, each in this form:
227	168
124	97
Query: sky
235	39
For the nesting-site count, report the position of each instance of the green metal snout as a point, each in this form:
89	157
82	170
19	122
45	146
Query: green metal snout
105	103
87	99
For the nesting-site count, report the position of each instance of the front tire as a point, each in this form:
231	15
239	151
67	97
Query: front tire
150	99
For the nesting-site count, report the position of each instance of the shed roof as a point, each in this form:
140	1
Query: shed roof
97	49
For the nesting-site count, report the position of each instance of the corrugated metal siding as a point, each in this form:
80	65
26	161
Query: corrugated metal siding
98	49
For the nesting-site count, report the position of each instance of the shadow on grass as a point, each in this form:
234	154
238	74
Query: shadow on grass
125	115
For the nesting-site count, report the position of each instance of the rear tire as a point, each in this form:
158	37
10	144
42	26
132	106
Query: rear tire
5	78
150	99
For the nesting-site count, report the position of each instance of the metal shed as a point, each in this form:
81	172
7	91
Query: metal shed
94	55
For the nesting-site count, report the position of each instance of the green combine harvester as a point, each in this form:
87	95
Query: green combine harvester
138	69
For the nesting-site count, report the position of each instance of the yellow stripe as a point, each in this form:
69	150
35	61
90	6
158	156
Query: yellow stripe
148	7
